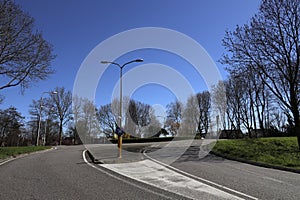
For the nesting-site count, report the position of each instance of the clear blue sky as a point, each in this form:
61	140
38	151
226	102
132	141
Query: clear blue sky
76	27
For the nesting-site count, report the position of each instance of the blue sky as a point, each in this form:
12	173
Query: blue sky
75	28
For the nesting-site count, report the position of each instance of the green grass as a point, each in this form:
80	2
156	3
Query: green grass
281	151
14	151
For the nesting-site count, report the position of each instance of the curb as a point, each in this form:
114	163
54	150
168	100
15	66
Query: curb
94	160
256	163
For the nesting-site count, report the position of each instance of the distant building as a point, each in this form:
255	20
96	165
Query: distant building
259	133
231	134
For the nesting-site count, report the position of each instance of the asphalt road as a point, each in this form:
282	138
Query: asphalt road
63	174
236	178
259	182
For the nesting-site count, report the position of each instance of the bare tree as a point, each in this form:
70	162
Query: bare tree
89	118
233	112
154	127
219	101
73	132
34	111
48	126
204	104
76	108
196	115
269	45
62	103
278	120
51	125
174	116
24	55
107	120
241	104
11	122
140	114
190	117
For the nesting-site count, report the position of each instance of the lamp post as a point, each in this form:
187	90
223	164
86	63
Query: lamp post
40	116
120	109
46	124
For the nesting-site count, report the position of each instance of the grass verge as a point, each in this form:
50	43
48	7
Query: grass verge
6	152
281	151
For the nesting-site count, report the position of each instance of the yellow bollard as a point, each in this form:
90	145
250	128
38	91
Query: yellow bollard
120	145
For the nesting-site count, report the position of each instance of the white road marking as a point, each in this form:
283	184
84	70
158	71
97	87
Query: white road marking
159	176
201	179
26	154
6	161
120	179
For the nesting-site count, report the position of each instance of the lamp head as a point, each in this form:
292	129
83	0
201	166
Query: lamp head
139	60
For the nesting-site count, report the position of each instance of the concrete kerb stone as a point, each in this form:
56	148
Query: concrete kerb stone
94	160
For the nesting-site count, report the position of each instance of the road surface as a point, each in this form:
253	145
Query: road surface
63	173
236	178
259	182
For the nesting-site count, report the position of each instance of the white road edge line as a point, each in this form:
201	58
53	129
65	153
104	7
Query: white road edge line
6	161
120	179
200	179
27	154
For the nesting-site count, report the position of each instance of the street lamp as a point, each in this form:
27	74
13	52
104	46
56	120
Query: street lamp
120	109
40	116
46	123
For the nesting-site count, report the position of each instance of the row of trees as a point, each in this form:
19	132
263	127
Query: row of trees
262	91
48	117
265	54
48	114
241	104
140	120
53	115
233	104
